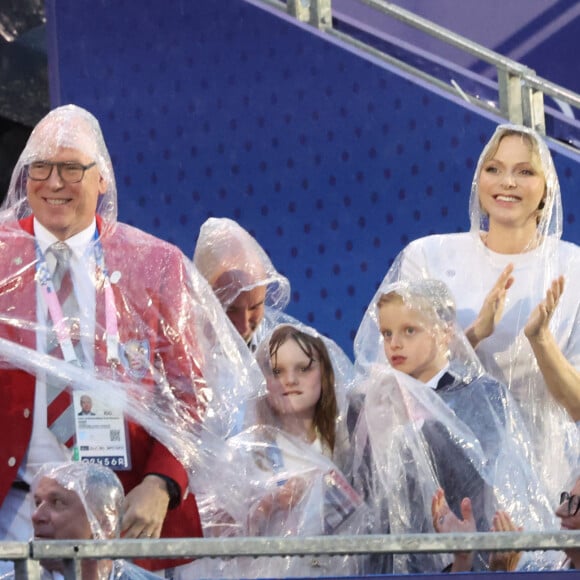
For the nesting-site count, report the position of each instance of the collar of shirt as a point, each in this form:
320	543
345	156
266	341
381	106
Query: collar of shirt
77	243
434	382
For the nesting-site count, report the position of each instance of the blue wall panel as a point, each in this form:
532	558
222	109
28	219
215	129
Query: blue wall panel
332	160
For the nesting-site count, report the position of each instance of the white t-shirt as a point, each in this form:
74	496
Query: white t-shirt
470	269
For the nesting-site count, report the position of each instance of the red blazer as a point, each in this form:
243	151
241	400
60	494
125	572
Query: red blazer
153	305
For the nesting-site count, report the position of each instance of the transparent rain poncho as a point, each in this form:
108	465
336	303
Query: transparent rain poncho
470	268
465	414
232	261
407	444
99	489
68	127
551	560
101	496
273	482
153	347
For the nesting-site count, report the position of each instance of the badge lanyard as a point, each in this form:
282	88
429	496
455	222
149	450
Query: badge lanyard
61	328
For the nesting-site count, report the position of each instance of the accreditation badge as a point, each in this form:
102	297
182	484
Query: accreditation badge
101	434
340	500
135	356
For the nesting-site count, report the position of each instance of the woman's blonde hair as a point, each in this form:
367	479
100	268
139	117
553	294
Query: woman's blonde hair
549	210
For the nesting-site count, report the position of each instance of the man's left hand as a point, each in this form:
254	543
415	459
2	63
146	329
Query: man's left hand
145	508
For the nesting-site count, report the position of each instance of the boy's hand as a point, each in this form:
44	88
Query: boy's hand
504	560
446	522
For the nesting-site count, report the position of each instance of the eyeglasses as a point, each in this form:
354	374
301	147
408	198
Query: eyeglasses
573	502
67	171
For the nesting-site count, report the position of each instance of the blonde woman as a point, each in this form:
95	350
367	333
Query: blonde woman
506	274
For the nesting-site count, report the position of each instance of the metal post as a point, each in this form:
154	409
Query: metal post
533	109
318	13
321	14
26	569
510	95
72	569
300	9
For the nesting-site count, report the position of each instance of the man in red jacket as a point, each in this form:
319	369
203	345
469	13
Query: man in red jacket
132	317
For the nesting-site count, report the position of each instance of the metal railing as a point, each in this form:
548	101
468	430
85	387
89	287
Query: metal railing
520	91
27	555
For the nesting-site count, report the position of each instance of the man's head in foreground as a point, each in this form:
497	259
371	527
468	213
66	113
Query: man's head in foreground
76	501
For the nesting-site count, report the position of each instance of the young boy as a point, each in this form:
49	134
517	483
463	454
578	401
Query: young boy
427	399
421	339
416	340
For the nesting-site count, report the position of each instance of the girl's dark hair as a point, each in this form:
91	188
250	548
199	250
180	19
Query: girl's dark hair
326	410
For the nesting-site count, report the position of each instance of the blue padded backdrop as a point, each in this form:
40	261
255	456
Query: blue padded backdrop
330	158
